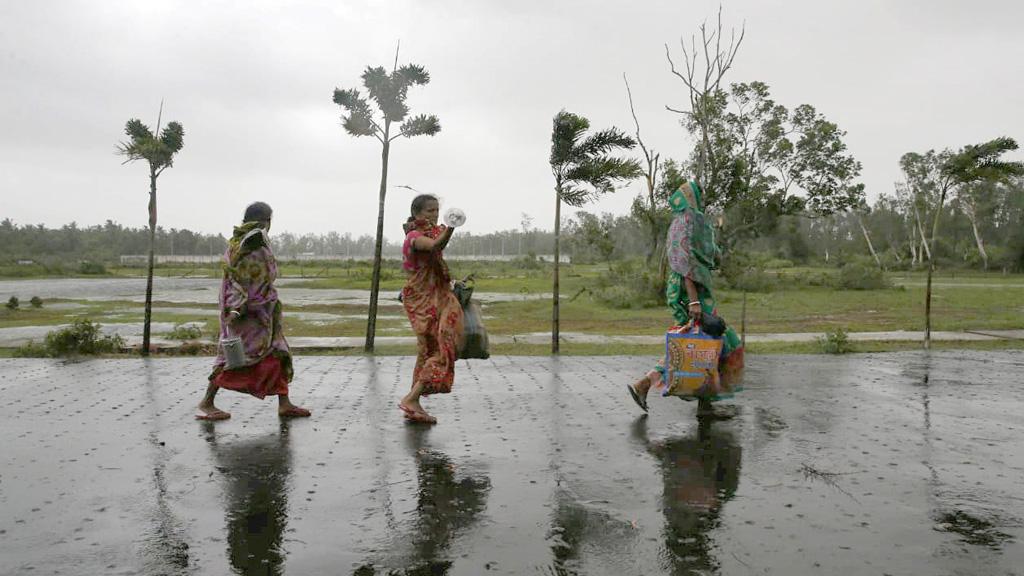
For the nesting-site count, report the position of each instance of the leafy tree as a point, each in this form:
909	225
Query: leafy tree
584	168
771	162
946	171
389	92
978	201
594	234
158	152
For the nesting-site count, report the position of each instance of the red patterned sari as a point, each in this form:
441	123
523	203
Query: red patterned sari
434	312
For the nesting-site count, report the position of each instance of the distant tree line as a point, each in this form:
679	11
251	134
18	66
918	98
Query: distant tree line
996	211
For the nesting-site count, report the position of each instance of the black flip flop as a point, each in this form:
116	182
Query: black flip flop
641	402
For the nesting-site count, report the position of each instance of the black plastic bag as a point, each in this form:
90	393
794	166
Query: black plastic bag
474	335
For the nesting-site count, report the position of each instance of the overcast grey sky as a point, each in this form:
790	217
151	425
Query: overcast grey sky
252	83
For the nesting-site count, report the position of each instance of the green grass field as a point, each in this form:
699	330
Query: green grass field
961	301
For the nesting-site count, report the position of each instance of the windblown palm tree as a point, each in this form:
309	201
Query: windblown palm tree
159	153
584	169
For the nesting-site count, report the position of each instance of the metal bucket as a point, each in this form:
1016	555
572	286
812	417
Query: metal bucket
234	352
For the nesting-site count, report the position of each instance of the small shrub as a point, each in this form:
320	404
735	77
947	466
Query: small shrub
835	342
183	331
862	275
92	268
13	303
527	262
31	350
630	284
745	271
192	348
36	302
82	337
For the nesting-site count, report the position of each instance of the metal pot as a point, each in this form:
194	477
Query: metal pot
234	352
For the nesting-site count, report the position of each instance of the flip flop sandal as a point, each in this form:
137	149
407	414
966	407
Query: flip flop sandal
420	418
214	416
295	412
641	402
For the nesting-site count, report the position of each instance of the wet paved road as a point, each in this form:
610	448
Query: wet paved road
866	464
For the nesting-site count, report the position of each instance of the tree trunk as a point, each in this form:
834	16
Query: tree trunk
148	315
977	238
554	290
371	322
743	322
867	237
931	271
924	240
654	242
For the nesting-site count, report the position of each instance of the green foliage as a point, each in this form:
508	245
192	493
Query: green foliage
760	161
421	125
36	302
92	268
389	92
835	342
584	166
82	337
862	274
630	285
13	303
528	262
144	145
747	272
184	331
60	250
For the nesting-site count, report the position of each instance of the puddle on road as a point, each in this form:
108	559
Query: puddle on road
973	530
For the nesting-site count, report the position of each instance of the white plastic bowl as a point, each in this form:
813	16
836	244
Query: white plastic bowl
454	217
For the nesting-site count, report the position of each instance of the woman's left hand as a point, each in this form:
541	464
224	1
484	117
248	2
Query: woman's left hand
696	313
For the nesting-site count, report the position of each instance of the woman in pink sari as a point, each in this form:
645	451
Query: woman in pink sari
433	310
249	309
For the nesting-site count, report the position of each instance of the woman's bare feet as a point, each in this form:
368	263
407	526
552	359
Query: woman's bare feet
638	390
211	412
286	409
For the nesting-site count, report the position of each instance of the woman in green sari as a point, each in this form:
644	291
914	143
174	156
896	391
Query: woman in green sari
692	255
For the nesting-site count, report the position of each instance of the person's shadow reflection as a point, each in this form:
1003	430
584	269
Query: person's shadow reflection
256	475
449	500
700	472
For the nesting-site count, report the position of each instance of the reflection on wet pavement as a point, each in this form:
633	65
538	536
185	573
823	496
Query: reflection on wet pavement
449	499
700	472
255	474
868	464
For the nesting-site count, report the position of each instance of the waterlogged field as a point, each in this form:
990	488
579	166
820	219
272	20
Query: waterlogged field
332	301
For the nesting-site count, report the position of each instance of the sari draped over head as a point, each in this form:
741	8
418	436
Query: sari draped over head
693	254
433	310
247	287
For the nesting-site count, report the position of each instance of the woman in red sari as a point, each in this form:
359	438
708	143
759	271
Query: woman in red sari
433	310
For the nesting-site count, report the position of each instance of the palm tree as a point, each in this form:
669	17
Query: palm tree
972	164
159	153
584	168
389	92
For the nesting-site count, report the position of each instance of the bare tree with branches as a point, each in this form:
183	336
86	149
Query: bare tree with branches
703	81
649	210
